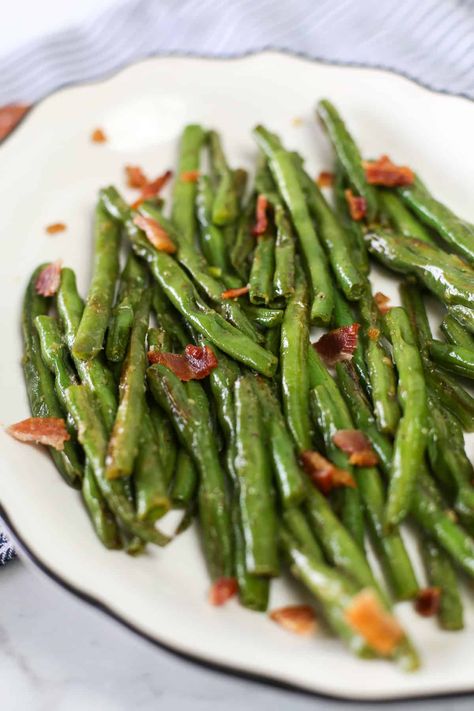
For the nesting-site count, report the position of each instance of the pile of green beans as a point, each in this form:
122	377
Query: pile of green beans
228	446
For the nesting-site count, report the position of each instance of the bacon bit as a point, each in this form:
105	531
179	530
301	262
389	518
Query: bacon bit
338	345
98	136
357	205
373	333
136	178
222	590
323	473
195	364
382	302
155	233
427	601
384	172
152	188
9	117
261	223
325	179
190	176
355	443
299	619
234	293
49	279
378	627
55	228
41	430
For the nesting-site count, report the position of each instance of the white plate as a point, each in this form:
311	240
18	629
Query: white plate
51	172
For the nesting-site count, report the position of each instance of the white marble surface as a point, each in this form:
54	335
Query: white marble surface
59	654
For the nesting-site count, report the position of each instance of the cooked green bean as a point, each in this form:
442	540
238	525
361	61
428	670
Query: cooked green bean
442	575
253	472
411	436
150	477
39	381
185	481
184	192
253	589
455	332
225	208
213	242
400	218
262	271
95	318
456	359
284	275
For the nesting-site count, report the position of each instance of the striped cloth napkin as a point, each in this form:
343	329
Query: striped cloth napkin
430	41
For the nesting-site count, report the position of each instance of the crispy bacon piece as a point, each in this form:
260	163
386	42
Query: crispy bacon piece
98	136
136	178
382	302
384	172
190	176
338	345
357	205
155	233
325	179
427	601
55	228
49	279
378	627
195	364
41	430
323	473
355	443
299	619
222	590
261	223
153	187
234	293
9	117
373	333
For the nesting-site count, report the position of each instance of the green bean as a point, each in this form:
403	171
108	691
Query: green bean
273	340
253	589
284	274
265	317
455	359
165	439
285	173
167	316
442	575
285	464
188	408
333	591
350	280
184	192
151	480
125	437
40	383
337	543
331	416
93	373
95	318
101	517
93	437
262	271
457	233
212	240
184	297
253	471
185	481
225	207
455	332
441	273
133	280
293	362
383	389
410	440
400	218
297	524
240	177
56	357
264	183
348	155
354	230
55	354
244	239
464	315
454	398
